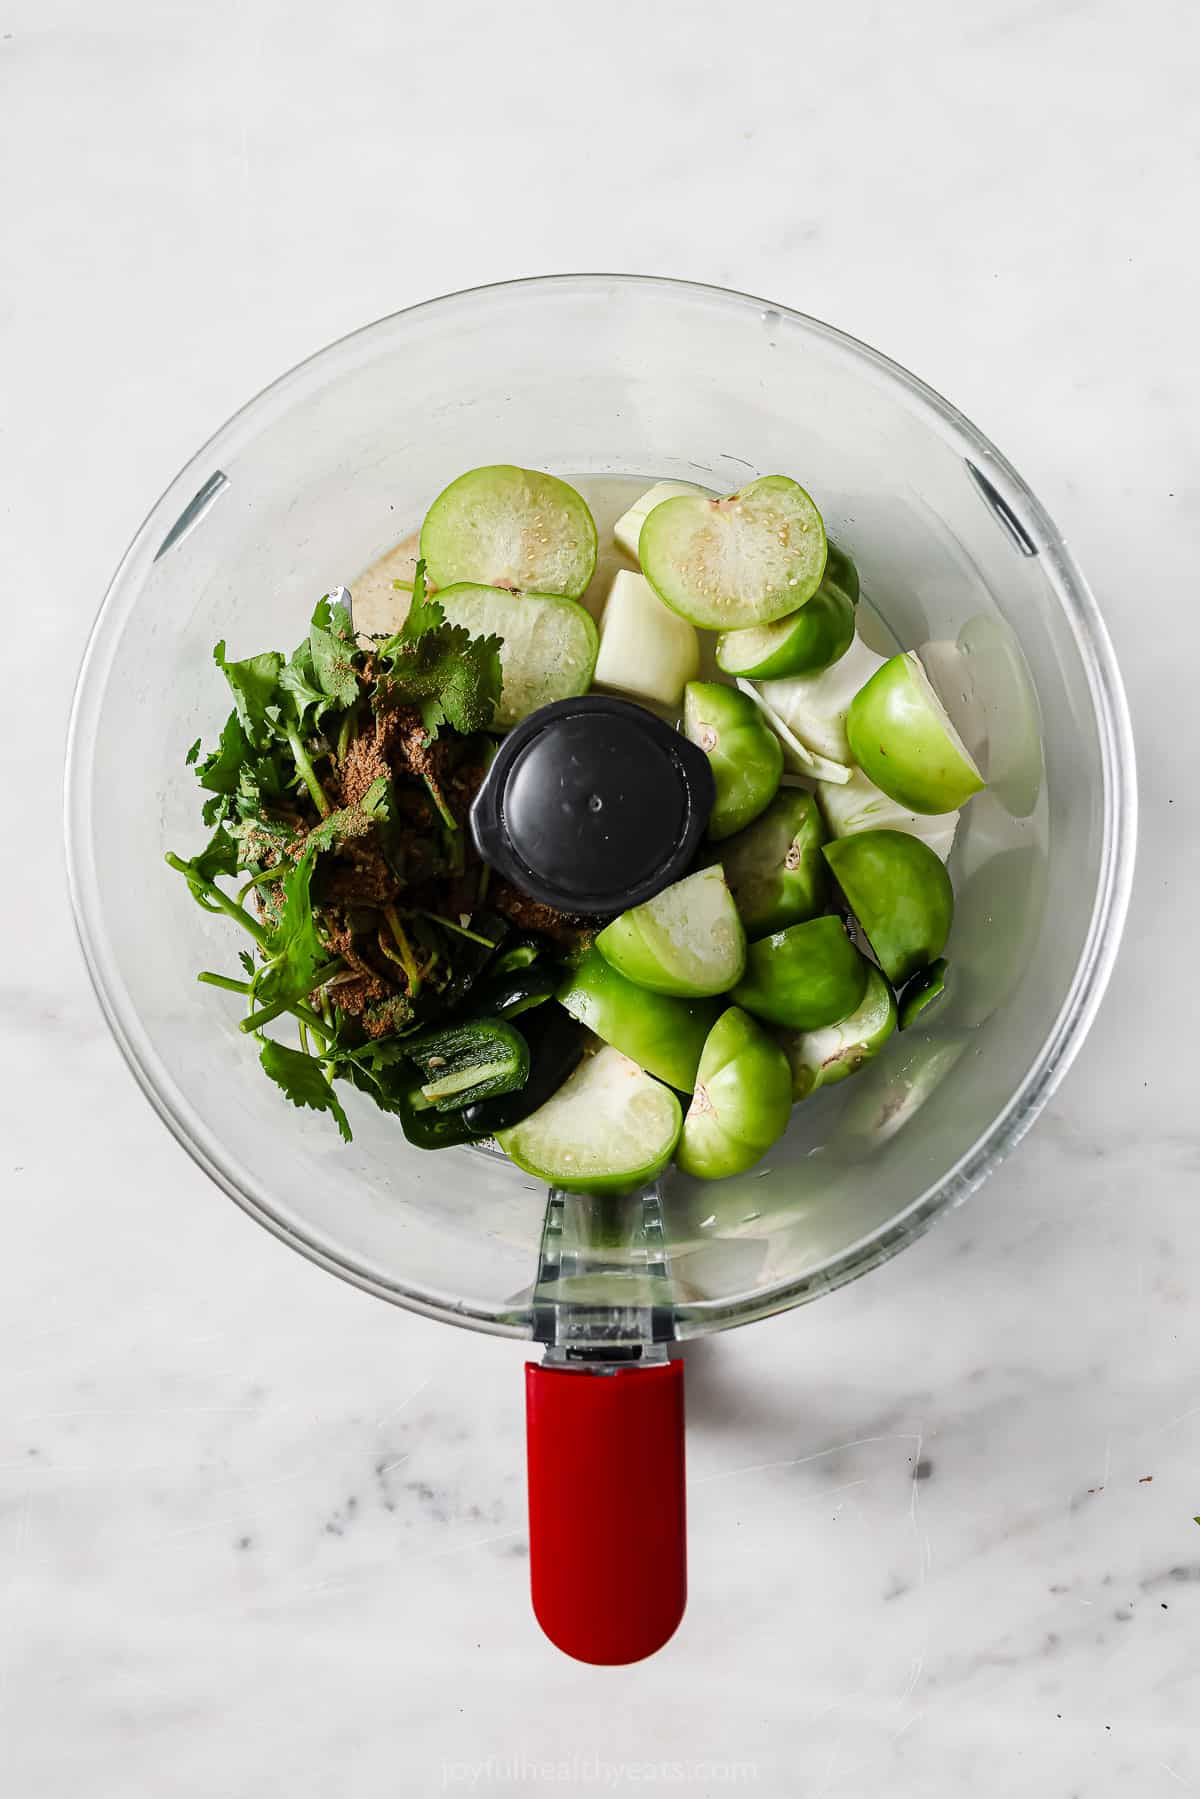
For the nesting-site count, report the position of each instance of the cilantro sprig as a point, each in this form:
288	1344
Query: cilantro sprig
451	677
272	783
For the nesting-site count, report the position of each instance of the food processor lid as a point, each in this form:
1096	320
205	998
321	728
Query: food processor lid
593	805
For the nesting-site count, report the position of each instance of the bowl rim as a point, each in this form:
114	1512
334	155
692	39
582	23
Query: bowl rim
1095	962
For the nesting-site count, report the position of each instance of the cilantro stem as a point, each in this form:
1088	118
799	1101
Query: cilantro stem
210	891
460	930
408	961
308	773
347	733
223	980
435	793
268	874
308	1019
265	1014
330	1067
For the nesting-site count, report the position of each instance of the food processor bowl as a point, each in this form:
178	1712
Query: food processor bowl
593	376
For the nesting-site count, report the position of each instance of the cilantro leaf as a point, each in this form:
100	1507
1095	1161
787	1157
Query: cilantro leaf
261	782
192	754
254	684
423	614
472	689
340	827
219	770
218	857
294	950
451	677
303	1081
247	962
379	801
297	679
332	650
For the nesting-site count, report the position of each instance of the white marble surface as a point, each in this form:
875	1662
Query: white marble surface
260	1534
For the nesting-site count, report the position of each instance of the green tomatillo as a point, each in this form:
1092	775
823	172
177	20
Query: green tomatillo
687	940
805	977
813	638
902	738
609	1128
661	1034
742	1100
744	753
822	1058
775	868
901	895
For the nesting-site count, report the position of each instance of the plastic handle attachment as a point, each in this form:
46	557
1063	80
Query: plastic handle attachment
607	1518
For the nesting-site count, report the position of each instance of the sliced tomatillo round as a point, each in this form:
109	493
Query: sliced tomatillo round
822	1058
628	528
662	1034
858	805
646	650
805	977
548	648
815	707
902	737
609	1128
687	940
745	754
922	991
901	895
744	560
510	527
775	868
742	1101
813	638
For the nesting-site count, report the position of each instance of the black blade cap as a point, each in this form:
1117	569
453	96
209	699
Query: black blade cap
593	805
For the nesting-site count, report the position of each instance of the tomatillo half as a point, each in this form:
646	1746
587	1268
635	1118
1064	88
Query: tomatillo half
742	1100
608	1129
661	1034
902	738
822	1058
901	895
687	940
775	869
805	977
745	754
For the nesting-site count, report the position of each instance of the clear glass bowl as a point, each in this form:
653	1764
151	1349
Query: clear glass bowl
613	375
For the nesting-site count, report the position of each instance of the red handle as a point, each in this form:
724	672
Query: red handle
607	1550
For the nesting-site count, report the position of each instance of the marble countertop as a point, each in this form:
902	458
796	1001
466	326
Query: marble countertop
261	1534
